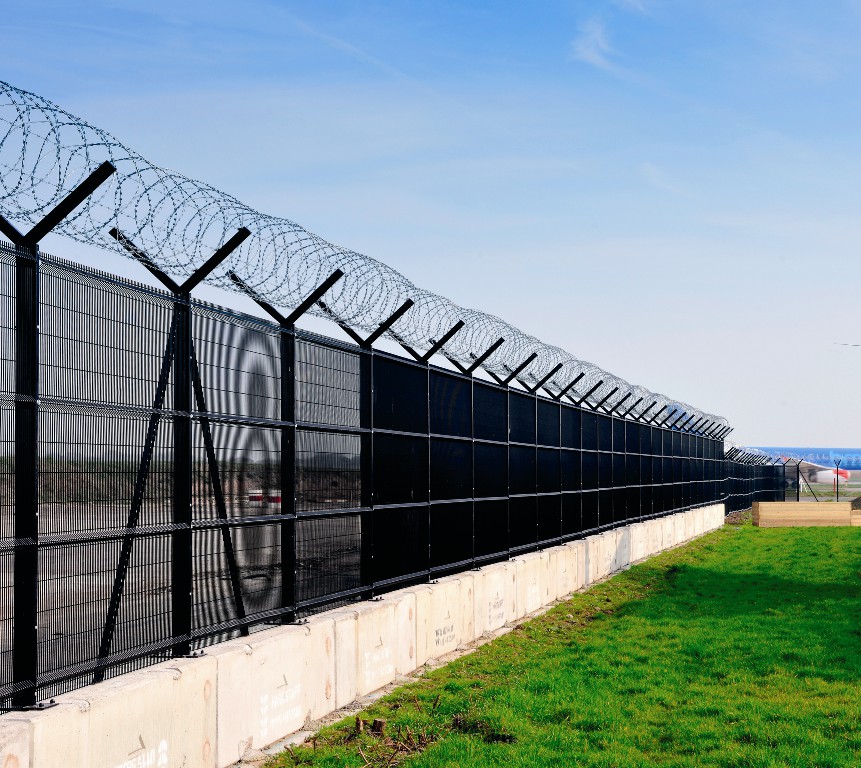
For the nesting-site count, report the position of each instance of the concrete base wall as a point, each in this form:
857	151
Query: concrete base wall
247	693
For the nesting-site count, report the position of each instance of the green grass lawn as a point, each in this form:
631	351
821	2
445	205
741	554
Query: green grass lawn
740	649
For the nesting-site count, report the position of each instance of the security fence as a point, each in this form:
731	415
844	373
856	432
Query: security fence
173	473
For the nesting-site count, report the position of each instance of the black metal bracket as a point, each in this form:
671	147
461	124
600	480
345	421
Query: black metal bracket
619	404
386	324
658	413
59	211
288	321
37	707
564	391
607	397
481	358
525	364
645	411
545	379
438	345
200	274
583	399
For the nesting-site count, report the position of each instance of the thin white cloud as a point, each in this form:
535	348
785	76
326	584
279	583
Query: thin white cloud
638	6
592	47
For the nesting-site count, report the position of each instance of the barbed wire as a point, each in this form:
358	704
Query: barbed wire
178	222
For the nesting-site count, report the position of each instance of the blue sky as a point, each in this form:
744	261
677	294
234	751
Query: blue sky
668	189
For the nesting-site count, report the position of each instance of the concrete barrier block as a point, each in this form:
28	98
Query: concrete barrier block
161	715
404	602
346	628
679	533
531	572
608	552
578	550
439	626
495	598
14	742
60	735
262	691
593	558
563	562
639	541
320	673
655	537
376	649
622	556
467	607
668	533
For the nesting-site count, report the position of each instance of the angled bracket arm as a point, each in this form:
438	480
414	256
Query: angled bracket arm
438	345
643	414
481	358
562	392
546	378
457	365
11	232
139	255
68	204
606	398
393	318
631	408
525	364
205	269
313	297
583	399
619	404
657	413
290	319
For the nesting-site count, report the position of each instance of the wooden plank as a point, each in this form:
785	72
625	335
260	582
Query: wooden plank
775	514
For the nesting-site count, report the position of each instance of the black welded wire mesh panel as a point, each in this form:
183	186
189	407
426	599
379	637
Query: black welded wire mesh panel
490	412
548	470
328	556
521	418
255	573
605	433
570	427
101	341
491	528
605	508
490	470
522	522
549	518
76	582
548	422
400	542
450	405
589	430
7	470
450	469
400	469
328	385
590	502
7	320
570	470
400	396
239	362
619	437
90	468
589	464
328	471
7	617
521	469
572	514
451	533
247	468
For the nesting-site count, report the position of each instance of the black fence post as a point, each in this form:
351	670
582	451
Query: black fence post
25	662
182	556
288	472
366	422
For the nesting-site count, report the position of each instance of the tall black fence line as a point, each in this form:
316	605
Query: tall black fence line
173	473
